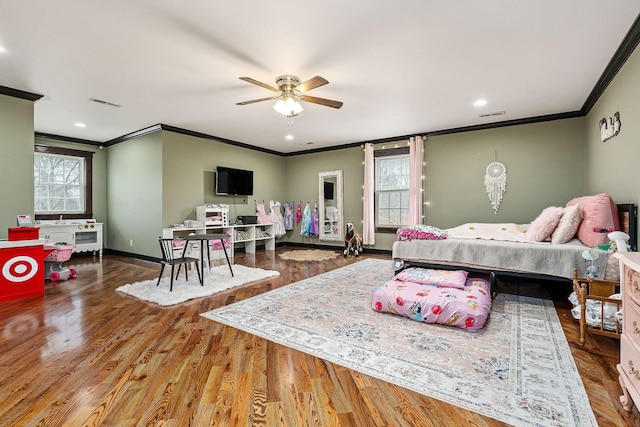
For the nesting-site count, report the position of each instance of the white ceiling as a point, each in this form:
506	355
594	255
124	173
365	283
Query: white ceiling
401	68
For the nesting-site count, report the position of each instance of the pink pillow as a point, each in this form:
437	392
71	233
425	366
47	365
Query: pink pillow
600	213
425	276
544	225
568	225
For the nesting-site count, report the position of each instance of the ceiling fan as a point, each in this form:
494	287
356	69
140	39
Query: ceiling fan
290	92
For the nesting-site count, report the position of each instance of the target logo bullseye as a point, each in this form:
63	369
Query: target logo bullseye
20	269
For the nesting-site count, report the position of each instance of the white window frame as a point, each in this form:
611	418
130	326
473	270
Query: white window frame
395	192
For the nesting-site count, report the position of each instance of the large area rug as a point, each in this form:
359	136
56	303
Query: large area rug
518	369
218	280
308	255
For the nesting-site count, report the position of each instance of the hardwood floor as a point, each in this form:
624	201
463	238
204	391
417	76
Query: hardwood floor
86	355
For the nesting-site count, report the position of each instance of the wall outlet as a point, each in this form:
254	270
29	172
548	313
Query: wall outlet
131	242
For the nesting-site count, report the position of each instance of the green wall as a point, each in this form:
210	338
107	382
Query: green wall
612	166
134	195
188	170
545	166
544	162
158	179
16	161
302	185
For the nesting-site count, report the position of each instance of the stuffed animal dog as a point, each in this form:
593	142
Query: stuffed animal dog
352	241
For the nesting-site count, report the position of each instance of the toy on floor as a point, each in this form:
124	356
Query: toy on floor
591	255
352	241
53	269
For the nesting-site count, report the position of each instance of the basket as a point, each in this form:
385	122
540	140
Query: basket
60	254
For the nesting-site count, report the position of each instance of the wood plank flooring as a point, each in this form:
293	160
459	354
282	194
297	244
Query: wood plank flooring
85	355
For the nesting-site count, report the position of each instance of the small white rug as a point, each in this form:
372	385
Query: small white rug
218	280
518	369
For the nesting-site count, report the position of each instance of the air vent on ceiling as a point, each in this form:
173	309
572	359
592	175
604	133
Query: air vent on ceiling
100	101
496	113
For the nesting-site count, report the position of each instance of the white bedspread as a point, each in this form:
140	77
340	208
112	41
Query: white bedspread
489	231
521	257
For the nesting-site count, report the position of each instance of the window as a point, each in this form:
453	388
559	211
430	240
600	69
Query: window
392	170
62	182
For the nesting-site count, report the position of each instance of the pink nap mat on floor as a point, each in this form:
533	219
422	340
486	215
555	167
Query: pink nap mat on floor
467	307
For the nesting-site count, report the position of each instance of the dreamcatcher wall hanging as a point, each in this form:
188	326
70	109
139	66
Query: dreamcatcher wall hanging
495	182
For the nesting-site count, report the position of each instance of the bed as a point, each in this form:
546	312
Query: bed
509	253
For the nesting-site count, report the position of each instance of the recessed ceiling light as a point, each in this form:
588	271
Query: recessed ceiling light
480	103
80	125
2	49
289	137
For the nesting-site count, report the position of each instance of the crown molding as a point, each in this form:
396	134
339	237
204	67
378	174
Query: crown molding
53	137
132	135
17	93
219	139
624	51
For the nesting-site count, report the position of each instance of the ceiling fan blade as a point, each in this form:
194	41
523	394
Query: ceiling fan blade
255	82
312	83
253	101
322	101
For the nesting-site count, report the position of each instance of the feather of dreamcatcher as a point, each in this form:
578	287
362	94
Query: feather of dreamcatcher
495	182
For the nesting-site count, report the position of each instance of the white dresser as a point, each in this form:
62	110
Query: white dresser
85	235
629	367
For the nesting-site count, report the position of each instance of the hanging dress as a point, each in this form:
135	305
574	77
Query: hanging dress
314	229
288	215
276	219
299	212
305	225
263	218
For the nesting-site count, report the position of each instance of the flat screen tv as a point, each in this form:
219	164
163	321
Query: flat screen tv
236	182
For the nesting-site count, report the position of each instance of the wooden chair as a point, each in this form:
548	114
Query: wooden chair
169	258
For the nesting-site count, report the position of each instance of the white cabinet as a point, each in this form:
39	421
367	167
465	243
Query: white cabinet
86	236
251	236
57	234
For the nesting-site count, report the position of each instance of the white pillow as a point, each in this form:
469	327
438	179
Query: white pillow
544	225
568	225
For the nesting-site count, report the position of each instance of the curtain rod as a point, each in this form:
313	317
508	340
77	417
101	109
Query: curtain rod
398	143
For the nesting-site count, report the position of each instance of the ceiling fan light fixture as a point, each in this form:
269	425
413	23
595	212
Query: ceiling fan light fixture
288	107
290	92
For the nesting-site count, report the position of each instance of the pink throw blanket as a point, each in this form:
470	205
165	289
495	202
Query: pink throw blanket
420	232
